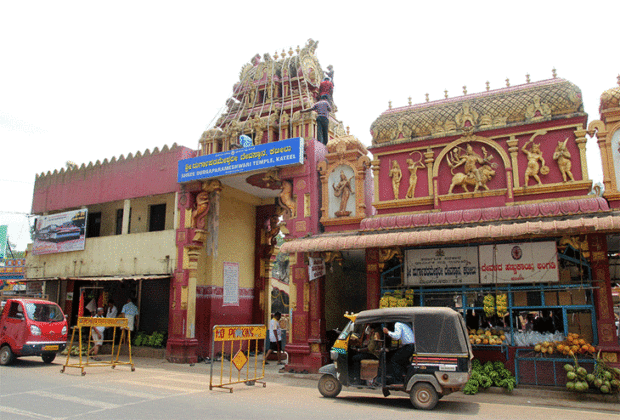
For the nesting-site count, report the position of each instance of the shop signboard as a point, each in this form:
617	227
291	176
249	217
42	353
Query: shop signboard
62	232
3	240
533	262
246	159
441	266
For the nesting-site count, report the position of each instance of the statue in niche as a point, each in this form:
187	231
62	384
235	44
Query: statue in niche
473	175
343	190
533	156
413	175
286	199
396	175
203	202
562	156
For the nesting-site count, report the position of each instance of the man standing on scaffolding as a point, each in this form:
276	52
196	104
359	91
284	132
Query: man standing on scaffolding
323	108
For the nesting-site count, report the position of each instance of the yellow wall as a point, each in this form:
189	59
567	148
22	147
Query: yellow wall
236	240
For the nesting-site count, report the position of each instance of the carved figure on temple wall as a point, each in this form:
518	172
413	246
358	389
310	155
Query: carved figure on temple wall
562	156
203	203
533	168
330	72
396	175
286	198
472	173
467	117
537	110
413	175
343	190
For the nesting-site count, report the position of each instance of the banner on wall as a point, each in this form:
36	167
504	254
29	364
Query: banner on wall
231	284
62	232
441	266
535	262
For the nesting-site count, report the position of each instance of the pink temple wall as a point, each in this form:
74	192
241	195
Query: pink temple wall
102	183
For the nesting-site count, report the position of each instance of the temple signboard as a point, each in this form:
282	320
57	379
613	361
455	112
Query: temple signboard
246	159
441	266
534	262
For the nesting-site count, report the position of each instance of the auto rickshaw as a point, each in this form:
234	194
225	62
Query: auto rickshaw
440	363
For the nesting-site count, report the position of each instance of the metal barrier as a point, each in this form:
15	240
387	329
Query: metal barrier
88	322
532	368
247	338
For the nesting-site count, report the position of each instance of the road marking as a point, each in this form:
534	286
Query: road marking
119	391
10	410
184	380
149	384
77	400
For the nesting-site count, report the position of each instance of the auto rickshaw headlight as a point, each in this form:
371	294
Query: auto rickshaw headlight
333	355
64	330
34	330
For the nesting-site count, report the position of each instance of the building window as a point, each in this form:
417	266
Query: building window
93	227
119	222
157	217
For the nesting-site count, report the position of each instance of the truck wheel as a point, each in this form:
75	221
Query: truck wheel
48	358
6	355
329	386
423	396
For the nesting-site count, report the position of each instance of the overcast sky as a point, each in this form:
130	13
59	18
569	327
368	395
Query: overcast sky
88	80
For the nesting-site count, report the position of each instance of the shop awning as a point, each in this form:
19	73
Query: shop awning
455	235
106	278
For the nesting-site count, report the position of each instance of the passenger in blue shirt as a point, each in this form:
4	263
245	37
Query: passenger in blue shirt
400	359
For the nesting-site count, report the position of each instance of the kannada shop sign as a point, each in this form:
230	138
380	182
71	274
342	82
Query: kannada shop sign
246	159
62	232
535	262
441	266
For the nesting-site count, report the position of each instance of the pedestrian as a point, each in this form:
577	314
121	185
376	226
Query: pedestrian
111	312
400	359
275	336
97	336
323	108
130	311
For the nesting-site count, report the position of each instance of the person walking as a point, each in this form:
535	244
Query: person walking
275	337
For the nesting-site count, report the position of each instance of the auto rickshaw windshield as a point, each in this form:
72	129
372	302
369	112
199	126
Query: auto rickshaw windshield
346	331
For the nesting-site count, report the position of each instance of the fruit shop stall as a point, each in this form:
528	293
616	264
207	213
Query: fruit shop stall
514	322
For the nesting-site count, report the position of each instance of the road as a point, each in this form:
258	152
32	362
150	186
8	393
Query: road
31	390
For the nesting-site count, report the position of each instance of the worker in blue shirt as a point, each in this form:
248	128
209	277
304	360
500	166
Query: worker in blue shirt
400	359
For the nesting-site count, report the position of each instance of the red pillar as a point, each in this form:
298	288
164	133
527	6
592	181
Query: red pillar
298	348
373	279
601	281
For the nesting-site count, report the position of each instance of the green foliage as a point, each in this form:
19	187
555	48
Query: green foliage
157	339
487	375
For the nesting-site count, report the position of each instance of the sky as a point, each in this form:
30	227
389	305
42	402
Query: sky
82	81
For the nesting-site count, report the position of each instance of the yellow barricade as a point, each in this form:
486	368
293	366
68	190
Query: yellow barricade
240	342
88	322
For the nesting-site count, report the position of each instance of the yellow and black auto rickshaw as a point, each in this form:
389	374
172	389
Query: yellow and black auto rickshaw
439	364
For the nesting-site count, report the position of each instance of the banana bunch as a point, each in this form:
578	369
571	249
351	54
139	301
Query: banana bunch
502	305
489	305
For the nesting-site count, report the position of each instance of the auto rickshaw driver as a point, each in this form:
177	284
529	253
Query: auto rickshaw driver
368	346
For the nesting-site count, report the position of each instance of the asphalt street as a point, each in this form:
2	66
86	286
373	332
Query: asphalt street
157	389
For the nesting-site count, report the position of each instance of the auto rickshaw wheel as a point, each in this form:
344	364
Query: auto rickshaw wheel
329	386
423	396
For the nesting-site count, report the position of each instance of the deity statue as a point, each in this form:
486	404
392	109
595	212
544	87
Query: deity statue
413	176
533	156
396	175
473	175
343	190
562	155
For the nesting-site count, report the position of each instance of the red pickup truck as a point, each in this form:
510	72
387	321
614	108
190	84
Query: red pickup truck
31	327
